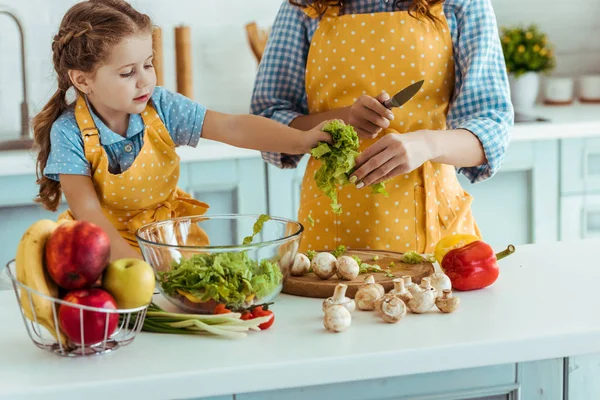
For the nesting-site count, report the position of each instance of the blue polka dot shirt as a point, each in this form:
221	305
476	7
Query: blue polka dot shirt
182	117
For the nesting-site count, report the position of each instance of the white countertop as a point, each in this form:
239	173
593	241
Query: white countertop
544	305
567	122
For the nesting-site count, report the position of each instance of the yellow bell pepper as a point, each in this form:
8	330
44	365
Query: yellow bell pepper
190	296
451	242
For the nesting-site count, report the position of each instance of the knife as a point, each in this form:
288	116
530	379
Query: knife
404	95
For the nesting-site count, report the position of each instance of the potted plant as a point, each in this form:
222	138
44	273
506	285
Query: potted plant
527	54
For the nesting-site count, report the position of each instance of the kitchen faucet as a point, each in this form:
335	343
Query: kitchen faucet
25	141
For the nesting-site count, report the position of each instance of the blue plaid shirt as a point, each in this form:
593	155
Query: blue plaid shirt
480	103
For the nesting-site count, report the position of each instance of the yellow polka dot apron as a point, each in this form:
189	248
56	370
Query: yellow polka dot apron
355	54
147	191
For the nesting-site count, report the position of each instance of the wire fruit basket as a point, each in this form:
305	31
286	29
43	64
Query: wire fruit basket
112	329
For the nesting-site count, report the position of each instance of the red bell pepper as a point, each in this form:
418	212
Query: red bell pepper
473	266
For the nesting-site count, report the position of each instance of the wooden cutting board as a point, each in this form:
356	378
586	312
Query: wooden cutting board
310	285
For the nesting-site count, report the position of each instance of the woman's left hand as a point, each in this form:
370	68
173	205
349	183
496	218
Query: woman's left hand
392	155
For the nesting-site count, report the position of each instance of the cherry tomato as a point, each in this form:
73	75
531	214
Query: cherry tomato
247	315
261	311
221	309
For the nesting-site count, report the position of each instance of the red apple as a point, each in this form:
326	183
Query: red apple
95	324
76	254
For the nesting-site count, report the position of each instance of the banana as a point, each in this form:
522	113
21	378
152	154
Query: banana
31	272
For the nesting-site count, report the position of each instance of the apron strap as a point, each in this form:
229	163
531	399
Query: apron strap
89	132
151	118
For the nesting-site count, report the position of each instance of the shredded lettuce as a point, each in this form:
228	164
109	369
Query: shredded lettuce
341	249
338	162
379	188
258	225
229	278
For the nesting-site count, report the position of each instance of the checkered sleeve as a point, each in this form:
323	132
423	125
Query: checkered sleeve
279	92
481	101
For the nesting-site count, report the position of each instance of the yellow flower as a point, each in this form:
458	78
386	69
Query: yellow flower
543	52
536	48
521	49
529	35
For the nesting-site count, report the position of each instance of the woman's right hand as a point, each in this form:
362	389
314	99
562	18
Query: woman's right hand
369	116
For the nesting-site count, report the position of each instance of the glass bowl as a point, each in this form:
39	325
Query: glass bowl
202	277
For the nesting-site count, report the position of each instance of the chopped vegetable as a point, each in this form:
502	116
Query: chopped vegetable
230	325
412	257
364	268
258	225
375	258
311	221
338	161
379	188
230	278
341	249
263	311
311	254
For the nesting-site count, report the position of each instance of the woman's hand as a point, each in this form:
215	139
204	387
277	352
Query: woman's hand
392	155
369	116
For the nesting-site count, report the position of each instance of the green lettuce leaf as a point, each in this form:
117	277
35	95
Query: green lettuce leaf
258	225
341	249
229	278
338	162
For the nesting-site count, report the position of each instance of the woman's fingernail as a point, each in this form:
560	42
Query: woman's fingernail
360	185
390	116
353	179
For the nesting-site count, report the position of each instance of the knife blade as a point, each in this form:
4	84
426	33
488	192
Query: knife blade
404	95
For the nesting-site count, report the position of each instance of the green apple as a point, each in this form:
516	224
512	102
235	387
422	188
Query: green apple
130	281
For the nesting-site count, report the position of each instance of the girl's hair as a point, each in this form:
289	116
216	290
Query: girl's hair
87	33
419	8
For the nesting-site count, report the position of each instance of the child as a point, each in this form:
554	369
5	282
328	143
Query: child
112	151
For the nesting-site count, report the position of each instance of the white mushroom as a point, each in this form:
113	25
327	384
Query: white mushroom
447	303
408	283
440	282
423	297
301	265
347	268
287	259
427	286
337	318
368	294
339	297
400	290
391	309
323	265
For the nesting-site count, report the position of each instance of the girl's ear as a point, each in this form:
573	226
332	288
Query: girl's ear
81	80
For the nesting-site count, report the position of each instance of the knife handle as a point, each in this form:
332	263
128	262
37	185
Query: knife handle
388	103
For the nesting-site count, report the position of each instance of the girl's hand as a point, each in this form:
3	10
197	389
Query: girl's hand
369	116
392	155
316	135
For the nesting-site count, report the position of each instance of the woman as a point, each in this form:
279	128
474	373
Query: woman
331	59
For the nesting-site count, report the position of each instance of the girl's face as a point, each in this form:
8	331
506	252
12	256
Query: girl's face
125	82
